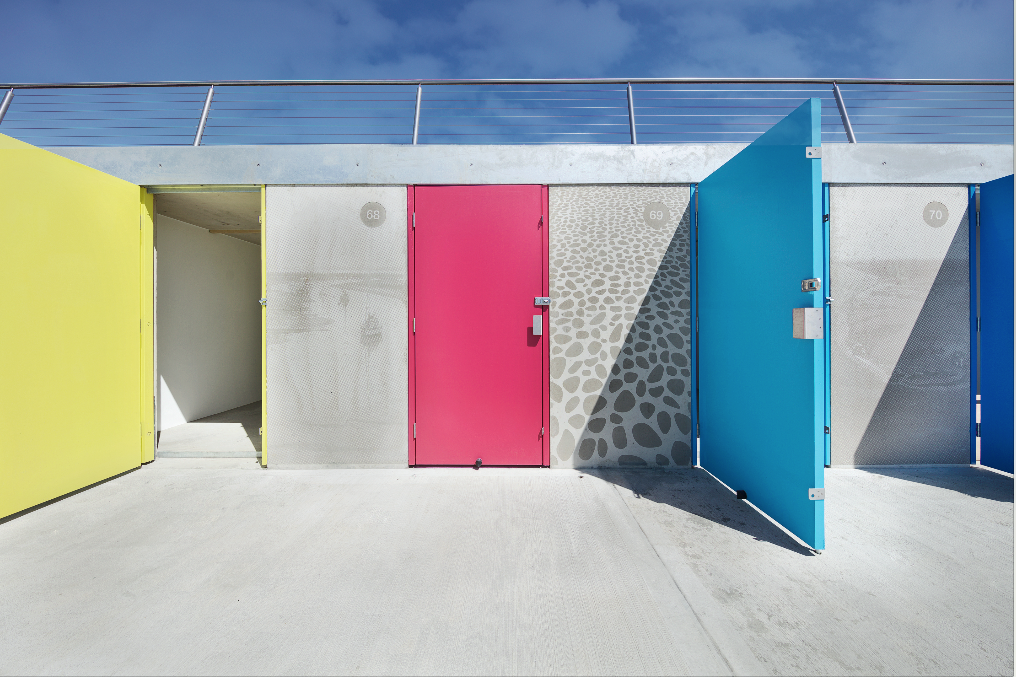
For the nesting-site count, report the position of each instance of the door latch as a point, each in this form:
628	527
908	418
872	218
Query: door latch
811	284
541	301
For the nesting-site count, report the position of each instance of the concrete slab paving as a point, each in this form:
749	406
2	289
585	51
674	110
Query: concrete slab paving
217	566
235	433
917	577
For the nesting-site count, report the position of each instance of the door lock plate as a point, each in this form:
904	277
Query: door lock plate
816	494
808	323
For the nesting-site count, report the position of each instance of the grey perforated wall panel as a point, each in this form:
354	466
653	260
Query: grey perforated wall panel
337	345
620	326
900	326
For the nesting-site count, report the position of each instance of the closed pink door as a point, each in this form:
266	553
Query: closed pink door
478	260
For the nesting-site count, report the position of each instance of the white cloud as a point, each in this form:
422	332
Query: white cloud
60	40
943	38
529	38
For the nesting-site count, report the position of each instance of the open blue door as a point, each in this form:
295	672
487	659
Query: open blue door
761	390
996	284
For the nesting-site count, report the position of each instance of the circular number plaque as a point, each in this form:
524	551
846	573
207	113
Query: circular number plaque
656	214
935	214
372	214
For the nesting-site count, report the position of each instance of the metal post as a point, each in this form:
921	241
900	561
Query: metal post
843	114
416	120
204	116
631	115
6	103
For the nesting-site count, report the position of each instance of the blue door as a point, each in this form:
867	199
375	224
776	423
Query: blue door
996	284
761	390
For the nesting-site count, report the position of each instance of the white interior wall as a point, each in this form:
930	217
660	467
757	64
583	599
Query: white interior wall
208	322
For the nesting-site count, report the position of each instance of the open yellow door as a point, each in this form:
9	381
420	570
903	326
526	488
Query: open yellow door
76	310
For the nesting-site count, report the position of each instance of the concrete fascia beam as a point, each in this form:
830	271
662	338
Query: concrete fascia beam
376	164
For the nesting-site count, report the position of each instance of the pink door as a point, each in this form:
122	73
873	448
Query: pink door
479	374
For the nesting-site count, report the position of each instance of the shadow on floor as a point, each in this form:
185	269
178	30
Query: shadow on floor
976	482
696	492
228	434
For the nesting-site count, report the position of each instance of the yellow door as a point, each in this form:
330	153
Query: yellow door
76	313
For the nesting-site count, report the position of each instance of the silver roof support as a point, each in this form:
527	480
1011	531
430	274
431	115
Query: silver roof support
416	120
843	114
631	114
6	103
204	116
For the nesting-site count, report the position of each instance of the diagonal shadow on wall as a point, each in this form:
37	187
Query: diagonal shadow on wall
620	364
923	415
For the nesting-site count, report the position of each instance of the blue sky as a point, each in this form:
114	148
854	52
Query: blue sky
108	40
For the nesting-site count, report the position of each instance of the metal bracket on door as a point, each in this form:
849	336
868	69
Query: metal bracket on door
541	301
808	323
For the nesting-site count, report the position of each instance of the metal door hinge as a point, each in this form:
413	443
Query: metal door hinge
540	224
414	220
541	431
977	430
814	152
414	431
825	217
827	430
414	325
816	494
263	301
978	324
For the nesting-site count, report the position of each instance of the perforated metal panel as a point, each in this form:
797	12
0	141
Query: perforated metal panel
900	325
620	326
337	344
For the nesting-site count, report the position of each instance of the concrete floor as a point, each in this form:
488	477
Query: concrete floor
229	434
216	566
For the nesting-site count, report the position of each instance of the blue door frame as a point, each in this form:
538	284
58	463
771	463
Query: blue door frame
762	395
995	279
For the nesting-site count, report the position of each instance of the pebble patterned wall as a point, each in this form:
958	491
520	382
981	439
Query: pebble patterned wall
620	326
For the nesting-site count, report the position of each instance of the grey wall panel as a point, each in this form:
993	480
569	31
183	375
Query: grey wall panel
620	326
900	326
337	345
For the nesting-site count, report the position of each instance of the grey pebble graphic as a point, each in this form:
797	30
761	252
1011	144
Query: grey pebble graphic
620	326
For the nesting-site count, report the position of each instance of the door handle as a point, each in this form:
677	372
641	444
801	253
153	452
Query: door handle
537	325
